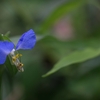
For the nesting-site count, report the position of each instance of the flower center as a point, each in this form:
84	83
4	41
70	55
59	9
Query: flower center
16	61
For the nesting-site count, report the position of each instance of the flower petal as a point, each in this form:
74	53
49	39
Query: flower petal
5	48
27	40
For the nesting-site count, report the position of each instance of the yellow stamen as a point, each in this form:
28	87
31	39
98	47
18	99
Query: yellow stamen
17	63
16	57
20	65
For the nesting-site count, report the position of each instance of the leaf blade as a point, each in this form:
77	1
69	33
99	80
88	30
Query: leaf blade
75	57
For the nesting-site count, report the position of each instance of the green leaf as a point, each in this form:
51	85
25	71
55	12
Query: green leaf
4	37
1	36
75	57
63	9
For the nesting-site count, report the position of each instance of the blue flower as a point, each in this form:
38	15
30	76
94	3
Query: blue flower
26	41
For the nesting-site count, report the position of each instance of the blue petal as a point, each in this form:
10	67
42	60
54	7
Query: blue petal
27	40
5	48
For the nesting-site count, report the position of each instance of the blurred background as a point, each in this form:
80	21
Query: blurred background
61	27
